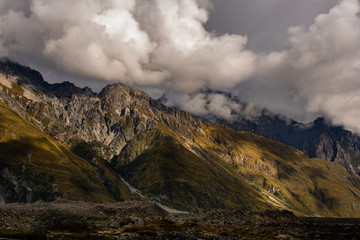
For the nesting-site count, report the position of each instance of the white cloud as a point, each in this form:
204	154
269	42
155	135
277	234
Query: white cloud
214	104
318	74
323	61
3	50
163	44
148	43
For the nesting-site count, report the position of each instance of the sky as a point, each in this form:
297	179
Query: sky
264	22
297	58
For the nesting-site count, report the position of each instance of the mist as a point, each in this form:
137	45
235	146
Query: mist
214	103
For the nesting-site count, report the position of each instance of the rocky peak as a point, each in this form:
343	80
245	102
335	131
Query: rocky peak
176	159
123	93
320	121
116	96
119	112
318	139
228	95
26	76
67	90
110	118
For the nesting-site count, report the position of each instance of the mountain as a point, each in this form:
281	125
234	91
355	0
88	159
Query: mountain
34	166
85	140
318	139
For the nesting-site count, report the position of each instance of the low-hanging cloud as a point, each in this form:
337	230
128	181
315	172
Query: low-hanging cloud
317	75
148	43
322	65
214	105
163	44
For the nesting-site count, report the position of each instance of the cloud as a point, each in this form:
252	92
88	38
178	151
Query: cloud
3	50
318	74
327	60
265	22
164	45
322	65
147	43
216	104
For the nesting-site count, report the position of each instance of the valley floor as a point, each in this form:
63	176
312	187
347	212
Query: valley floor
63	219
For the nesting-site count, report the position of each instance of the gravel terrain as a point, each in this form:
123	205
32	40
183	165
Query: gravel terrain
63	219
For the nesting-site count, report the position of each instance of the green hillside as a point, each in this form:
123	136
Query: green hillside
308	186
182	180
34	166
170	156
220	168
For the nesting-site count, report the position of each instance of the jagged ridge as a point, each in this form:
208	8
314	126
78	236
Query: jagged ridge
207	165
318	139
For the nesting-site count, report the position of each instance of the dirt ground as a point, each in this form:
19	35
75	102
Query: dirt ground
64	219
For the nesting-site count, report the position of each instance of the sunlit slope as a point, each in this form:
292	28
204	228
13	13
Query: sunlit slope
169	155
179	178
317	139
34	166
217	167
309	186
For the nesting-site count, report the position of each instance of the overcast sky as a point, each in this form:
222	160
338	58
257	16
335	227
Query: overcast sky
298	58
264	22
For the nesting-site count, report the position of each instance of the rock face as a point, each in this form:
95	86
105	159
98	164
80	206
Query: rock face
167	154
318	139
34	166
108	119
14	189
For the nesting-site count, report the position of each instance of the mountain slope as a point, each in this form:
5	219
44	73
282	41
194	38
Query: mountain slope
318	139
34	166
182	179
308	185
169	155
280	174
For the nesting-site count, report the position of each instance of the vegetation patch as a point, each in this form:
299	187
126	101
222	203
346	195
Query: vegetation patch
17	89
18	234
141	230
70	227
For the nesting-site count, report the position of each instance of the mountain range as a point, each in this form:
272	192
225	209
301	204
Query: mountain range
317	139
62	141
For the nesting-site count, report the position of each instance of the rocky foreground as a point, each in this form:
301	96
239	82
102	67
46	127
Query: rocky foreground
64	219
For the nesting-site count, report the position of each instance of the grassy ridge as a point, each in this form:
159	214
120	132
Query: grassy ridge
185	181
217	167
172	157
308	186
45	167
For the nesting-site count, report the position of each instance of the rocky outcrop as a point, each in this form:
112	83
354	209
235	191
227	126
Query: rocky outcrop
165	153
318	139
13	188
71	114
